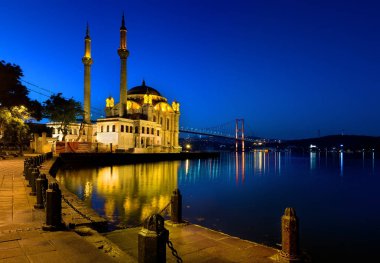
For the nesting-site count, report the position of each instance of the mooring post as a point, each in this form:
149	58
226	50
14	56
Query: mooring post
152	240
32	181
41	187
29	174
53	208
176	207
26	165
290	240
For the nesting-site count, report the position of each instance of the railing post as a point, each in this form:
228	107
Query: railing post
53	208
41	187
176	207
289	228
152	240
32	181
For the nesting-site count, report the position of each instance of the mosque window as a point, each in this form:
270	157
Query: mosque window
161	120
122	128
130	129
136	129
167	124
101	128
108	128
113	128
84	132
154	118
158	132
75	131
147	130
152	131
142	129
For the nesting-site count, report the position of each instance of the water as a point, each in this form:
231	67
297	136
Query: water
336	197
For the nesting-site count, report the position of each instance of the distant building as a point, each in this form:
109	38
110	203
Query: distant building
142	121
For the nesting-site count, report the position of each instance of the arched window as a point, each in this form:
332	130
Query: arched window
101	128
161	120
122	128
136	129
130	129
167	124
113	128
142	129
147	130
108	128
154	118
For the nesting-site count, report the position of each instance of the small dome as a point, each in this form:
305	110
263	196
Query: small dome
143	89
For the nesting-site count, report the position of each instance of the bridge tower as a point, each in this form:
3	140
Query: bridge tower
239	134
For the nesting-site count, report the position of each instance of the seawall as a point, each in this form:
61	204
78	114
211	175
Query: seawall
72	160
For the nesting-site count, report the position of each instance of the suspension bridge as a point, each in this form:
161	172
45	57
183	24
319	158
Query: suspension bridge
231	130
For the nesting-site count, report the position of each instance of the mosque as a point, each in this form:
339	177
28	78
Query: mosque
142	121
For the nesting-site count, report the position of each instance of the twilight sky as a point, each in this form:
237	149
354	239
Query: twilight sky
289	68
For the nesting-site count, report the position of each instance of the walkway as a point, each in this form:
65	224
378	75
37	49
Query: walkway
21	236
198	244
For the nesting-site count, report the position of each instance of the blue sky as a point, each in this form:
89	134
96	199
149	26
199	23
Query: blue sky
289	68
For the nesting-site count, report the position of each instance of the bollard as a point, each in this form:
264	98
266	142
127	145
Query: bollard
32	182
26	164
176	207
152	240
29	175
53	208
289	228
41	187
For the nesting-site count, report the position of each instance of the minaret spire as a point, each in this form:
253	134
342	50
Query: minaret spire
87	31
87	62
123	54
123	23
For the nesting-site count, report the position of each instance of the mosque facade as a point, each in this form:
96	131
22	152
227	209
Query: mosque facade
142	121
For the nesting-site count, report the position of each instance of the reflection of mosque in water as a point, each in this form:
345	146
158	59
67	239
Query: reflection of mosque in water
126	194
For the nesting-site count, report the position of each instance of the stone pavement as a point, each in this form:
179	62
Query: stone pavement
21	236
198	244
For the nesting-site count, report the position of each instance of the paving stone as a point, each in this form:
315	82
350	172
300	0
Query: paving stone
18	259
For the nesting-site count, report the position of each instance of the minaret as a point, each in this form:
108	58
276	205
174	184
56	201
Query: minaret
123	54
87	62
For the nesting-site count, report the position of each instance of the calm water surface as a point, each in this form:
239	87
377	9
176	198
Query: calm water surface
336	197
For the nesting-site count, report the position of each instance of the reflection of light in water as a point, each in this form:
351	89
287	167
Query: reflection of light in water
341	163
258	162
243	167
264	155
129	192
373	161
279	163
236	167
109	207
312	160
88	190
187	166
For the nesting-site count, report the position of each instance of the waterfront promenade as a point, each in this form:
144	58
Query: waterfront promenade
23	240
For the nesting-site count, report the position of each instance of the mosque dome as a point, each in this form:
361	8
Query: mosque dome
143	89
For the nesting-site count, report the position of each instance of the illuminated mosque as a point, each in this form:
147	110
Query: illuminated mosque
142	121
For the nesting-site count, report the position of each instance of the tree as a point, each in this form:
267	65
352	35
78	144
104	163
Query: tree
63	111
12	121
13	93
